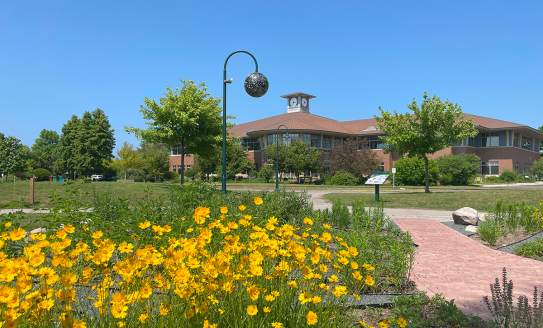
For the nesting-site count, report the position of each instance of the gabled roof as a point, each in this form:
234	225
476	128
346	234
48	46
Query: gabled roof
294	121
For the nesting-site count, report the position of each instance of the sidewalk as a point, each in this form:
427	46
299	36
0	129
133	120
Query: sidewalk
459	268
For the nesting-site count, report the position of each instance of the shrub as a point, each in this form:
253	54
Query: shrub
343	179
266	173
42	174
532	249
410	171
537	168
508	176
170	175
461	167
190	173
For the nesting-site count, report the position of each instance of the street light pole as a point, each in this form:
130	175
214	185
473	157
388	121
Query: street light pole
256	85
277	156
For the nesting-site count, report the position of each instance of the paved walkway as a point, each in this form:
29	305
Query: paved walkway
462	269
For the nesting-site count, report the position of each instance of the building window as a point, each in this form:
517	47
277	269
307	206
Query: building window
471	141
174	168
315	140
382	167
526	143
526	168
306	138
326	168
337	141
375	142
490	139
327	142
251	143
492	168
517	167
176	150
292	137
187	167
515	140
327	154
272	138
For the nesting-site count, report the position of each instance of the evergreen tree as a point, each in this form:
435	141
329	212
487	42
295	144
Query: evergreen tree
68	147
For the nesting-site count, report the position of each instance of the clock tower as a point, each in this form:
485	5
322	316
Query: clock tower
298	102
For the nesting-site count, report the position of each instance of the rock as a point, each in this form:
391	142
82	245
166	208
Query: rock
471	228
465	216
483	216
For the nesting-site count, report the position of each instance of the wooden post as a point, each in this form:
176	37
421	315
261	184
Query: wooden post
31	191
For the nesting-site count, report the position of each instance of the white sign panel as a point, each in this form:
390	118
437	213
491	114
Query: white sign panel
377	179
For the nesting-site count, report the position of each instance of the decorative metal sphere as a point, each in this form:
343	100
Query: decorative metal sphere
256	85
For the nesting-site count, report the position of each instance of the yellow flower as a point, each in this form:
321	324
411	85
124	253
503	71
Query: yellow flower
312	318
305	297
143	317
369	280
252	310
362	323
258	201
383	324
144	225
368	267
124	247
401	322
308	221
277	325
7	225
316	299
327	226
292	284
120	324
79	324
135	237
224	210
17	234
266	309
221	311
200	214
242	207
333	278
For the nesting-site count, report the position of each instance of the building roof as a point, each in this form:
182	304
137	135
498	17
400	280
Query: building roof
310	122
294	121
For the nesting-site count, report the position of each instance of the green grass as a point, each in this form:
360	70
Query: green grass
19	197
482	200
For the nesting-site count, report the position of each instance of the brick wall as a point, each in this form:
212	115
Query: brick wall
176	160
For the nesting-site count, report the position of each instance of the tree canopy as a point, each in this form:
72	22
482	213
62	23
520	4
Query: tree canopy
127	158
431	127
236	160
298	157
187	117
44	149
12	155
354	156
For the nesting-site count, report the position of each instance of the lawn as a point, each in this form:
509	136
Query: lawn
21	193
481	200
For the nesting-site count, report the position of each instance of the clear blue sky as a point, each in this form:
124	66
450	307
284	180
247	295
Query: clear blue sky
59	58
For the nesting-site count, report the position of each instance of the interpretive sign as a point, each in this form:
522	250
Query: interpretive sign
376	179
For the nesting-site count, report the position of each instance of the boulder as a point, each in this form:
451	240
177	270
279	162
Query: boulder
465	216
471	228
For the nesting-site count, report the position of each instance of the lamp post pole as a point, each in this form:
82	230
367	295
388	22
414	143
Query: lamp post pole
277	157
256	85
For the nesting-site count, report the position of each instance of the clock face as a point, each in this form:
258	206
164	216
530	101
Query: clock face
304	102
293	102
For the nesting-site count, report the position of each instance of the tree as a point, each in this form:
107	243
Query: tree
236	160
155	158
272	152
355	157
127	158
302	158
266	173
461	167
432	127
537	168
188	117
44	149
410	171
541	141
85	144
12	155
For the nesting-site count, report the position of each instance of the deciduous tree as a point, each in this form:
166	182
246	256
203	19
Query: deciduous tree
187	117
156	159
44	149
12	155
127	158
431	127
354	156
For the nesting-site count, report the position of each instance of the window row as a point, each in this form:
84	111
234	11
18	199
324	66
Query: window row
328	142
177	168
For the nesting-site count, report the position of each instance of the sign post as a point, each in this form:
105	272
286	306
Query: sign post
393	176
377	178
31	191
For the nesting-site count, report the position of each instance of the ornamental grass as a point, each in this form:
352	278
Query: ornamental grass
220	267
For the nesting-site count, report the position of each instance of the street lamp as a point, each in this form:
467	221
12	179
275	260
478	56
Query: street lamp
256	85
277	156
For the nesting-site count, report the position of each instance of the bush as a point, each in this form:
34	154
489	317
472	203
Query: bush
265	173
42	174
190	173
343	179
461	167
508	176
410	171
170	175
537	168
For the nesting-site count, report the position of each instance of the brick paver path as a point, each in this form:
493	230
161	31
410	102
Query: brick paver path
462	269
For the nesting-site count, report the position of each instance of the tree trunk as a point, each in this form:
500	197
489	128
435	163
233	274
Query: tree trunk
182	162
427	187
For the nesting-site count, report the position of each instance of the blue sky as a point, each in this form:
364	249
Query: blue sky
59	58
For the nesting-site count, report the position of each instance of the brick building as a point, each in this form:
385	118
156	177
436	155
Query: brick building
501	145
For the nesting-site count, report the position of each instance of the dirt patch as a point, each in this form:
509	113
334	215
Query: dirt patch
505	240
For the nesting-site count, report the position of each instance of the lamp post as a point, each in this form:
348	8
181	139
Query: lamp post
256	85
277	156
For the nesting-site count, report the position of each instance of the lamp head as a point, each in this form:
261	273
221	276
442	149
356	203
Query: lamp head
286	136
256	85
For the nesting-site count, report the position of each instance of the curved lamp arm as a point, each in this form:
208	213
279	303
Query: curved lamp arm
235	52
